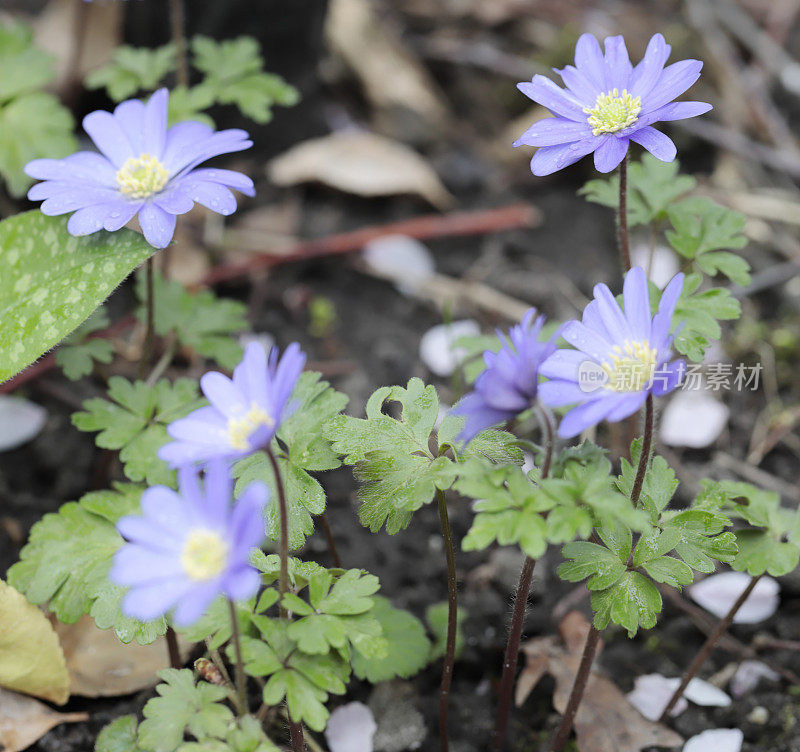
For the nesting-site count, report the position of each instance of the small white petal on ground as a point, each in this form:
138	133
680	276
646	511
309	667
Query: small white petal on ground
351	728
719	592
715	740
663	266
652	692
701	692
436	346
693	419
21	421
402	258
748	675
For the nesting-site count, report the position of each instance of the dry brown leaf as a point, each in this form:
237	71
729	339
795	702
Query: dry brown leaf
362	163
24	720
100	665
393	79
31	660
101	33
606	721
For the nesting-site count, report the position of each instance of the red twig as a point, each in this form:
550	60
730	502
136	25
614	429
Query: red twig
428	226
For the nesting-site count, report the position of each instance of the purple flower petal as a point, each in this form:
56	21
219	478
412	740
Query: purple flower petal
155	123
108	135
549	159
152	601
548	94
673	81
90	219
610	153
157	225
583	338
129	115
211	195
563	364
242	584
223	394
618	64
553	131
122	213
647	72
636	298
681	110
229	178
590	62
583	89
557	393
659	145
585	416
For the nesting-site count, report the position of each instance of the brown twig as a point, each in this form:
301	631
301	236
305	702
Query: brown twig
428	226
708	646
452	622
173	651
178	24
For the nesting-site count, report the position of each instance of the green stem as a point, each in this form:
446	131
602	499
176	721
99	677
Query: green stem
452	622
241	681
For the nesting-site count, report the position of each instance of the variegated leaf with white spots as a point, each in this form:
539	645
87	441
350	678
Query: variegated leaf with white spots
51	281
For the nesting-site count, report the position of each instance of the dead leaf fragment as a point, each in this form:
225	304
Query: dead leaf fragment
606	721
31	660
393	79
100	665
24	720
361	163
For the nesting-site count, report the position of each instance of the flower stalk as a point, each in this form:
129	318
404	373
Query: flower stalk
623	239
295	729
592	639
452	622
178	24
241	681
511	657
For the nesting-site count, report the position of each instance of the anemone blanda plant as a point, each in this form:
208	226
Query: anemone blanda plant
189	547
509	384
607	103
621	356
144	169
245	412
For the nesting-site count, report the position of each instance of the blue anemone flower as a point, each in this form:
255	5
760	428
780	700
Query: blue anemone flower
621	356
144	169
607	103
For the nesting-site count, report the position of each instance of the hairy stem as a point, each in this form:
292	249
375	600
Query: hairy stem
590	648
149	332
644	458
708	646
331	541
241	681
283	581
295	729
452	622
511	658
172	649
578	688
622	217
178	23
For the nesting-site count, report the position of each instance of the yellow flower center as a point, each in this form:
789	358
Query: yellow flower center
613	112
632	367
204	555
240	429
141	177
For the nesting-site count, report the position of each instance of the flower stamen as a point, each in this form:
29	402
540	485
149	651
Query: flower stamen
240	429
204	555
142	177
631	368
613	111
